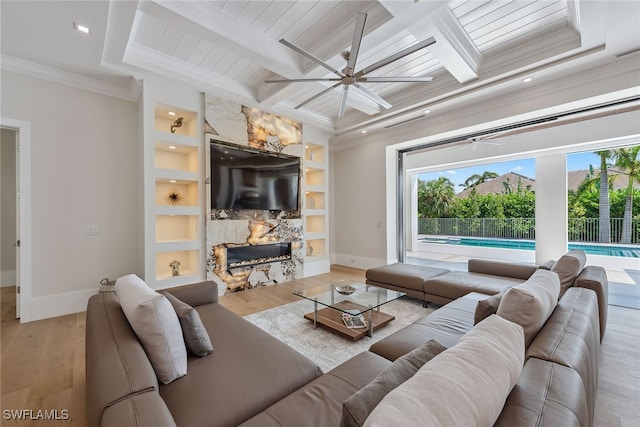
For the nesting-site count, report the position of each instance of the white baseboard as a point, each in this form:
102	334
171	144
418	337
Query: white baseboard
8	278
363	263
48	306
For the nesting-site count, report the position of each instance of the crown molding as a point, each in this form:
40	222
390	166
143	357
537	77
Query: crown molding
130	93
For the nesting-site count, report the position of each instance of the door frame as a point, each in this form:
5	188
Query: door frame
23	232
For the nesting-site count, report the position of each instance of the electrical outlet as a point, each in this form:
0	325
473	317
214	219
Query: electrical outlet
92	230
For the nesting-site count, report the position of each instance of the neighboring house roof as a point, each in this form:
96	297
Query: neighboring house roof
621	181
574	179
496	184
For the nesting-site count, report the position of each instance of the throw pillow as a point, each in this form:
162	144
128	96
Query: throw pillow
466	385
530	304
357	408
568	267
547	265
195	334
486	307
156	324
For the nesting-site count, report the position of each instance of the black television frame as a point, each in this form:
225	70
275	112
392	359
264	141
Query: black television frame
258	153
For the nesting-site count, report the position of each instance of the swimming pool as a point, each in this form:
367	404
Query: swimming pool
630	251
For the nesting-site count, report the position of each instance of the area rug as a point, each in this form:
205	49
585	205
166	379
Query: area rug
324	347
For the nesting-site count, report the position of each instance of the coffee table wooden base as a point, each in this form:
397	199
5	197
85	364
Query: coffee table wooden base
332	320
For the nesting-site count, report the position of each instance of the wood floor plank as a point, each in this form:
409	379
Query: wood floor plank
42	363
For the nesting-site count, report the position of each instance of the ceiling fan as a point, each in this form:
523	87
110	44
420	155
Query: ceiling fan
348	77
493	139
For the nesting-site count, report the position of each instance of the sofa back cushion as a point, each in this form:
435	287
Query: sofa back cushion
116	364
357	408
466	385
531	303
568	267
138	410
571	337
157	326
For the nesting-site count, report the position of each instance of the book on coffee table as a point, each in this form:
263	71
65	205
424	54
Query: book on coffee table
354	322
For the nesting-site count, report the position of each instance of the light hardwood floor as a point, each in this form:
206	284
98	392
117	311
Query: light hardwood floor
43	362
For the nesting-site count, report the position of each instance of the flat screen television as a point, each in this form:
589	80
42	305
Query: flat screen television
247	178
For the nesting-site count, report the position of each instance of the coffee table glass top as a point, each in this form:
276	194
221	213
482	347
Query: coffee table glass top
349	296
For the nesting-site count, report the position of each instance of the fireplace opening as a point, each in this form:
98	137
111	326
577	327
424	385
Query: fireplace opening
243	256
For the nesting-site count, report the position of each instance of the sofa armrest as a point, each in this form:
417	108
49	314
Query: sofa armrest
595	278
196	294
501	268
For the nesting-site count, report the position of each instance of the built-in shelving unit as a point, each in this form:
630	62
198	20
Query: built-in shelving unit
315	213
174	186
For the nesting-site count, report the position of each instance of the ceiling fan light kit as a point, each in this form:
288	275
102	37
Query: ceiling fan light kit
348	77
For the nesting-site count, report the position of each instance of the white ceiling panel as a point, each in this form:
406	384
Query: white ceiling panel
235	45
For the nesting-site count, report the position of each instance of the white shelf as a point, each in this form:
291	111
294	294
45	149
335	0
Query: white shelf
174	230
315	236
175	138
178	175
177	210
177	245
316	175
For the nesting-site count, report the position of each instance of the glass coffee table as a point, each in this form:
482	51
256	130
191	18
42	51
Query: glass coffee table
333	302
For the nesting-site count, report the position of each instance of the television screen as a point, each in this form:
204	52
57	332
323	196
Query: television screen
246	178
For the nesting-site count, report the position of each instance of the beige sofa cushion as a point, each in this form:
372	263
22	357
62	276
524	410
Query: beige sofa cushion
466	385
156	324
195	335
568	267
531	303
357	408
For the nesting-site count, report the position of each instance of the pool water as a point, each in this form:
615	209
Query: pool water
630	251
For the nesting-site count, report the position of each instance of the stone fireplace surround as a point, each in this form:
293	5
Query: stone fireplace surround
230	122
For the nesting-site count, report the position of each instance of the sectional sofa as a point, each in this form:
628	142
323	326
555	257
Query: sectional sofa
537	365
441	286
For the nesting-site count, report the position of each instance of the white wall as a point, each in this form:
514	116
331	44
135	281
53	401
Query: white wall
8	207
85	163
359	206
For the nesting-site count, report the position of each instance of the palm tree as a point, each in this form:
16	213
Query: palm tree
435	197
475	179
628	160
604	204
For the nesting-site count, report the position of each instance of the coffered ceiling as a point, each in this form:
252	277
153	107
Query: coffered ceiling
231	47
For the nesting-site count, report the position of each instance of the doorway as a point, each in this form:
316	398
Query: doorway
15	212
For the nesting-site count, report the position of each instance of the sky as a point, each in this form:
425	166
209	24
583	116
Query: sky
526	167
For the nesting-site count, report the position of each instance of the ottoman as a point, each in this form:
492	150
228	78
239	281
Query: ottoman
407	278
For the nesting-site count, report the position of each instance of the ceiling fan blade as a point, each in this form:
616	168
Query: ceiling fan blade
361	19
311	57
317	95
372	96
394	79
301	80
343	101
398	55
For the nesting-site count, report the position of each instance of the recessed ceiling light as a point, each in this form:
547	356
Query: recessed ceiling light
527	80
172	113
363	131
81	28
426	111
173	181
172	147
